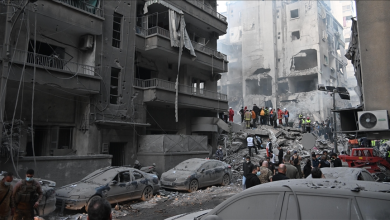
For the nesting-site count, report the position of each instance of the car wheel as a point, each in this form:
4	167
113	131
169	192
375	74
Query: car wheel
147	194
193	186
90	200
225	180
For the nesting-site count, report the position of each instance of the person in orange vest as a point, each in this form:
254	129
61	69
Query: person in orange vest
280	116
231	114
254	119
271	113
286	116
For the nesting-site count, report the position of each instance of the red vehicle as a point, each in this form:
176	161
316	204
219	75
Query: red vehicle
365	158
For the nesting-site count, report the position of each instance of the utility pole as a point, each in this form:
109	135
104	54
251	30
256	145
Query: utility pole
334	121
5	68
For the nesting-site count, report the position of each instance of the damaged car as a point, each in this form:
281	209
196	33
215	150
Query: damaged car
116	184
48	203
346	173
196	173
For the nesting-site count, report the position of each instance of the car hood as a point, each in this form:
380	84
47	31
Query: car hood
172	175
192	215
81	189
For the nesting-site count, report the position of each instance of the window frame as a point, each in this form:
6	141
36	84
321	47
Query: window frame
119	32
291	18
118	86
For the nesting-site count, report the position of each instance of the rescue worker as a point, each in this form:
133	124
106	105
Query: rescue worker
231	114
280	116
300	119
251	144
254	119
219	153
308	125
137	165
274	117
7	205
271	114
242	112
286	116
303	123
27	194
266	116
247	118
257	111
388	154
262	116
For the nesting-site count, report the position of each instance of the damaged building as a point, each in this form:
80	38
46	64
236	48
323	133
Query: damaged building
284	49
92	78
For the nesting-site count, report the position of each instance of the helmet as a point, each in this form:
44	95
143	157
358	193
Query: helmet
285	109
308	117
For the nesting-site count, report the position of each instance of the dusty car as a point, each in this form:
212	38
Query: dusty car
116	184
346	173
303	199
195	173
48	203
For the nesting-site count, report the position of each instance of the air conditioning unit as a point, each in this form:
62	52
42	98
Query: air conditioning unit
86	42
373	120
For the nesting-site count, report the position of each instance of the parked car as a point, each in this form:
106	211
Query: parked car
48	203
346	173
195	173
116	184
304	199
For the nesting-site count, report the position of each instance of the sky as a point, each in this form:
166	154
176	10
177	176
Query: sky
221	6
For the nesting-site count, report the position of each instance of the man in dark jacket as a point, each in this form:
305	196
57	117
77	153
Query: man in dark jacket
247	167
252	179
242	112
336	161
257	111
281	173
280	155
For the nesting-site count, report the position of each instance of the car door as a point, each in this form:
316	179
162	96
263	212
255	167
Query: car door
219	171
205	175
138	184
118	190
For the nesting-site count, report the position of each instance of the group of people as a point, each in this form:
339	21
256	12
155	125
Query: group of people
21	200
263	116
288	167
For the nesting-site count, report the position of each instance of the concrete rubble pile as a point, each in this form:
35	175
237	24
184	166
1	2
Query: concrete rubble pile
287	137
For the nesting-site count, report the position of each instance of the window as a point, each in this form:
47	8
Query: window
116	30
201	87
137	175
326	62
114	85
295	35
373	208
65	138
294	13
367	176
252	206
335	26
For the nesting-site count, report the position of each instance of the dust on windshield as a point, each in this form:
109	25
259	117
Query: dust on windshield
188	165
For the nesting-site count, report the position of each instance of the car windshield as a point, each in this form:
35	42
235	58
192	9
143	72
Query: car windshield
100	177
188	166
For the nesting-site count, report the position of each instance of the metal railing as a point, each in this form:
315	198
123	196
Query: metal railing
200	47
207	9
159	31
184	89
83	5
53	62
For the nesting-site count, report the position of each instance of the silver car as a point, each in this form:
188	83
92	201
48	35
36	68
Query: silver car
303	199
195	173
116	184
48	203
346	173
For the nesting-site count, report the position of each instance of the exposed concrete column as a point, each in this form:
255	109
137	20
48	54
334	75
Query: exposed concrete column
374	32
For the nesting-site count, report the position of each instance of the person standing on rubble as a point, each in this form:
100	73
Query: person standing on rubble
271	118
303	123
242	112
231	114
265	173
254	119
268	148
274	118
280	116
280	155
308	125
262	116
247	167
266	116
257	111
287	157
251	144
252	178
219	153
225	116
247	118
27	194
300	120
7	205
286	116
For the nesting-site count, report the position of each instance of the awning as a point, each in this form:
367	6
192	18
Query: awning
166	4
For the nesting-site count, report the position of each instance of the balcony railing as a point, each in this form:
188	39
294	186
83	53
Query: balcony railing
83	5
165	33
184	89
53	63
207	9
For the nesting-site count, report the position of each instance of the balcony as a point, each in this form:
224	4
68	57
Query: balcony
208	9
158	90
52	70
159	38
84	6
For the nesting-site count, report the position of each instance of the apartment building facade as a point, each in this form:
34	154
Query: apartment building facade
285	49
103	74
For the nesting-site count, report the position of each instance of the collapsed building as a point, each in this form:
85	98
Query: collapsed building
87	80
279	51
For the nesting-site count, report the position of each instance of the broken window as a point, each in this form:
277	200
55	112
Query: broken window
256	87
283	88
116	30
305	86
326	62
305	59
294	13
295	35
114	85
143	73
65	138
46	55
